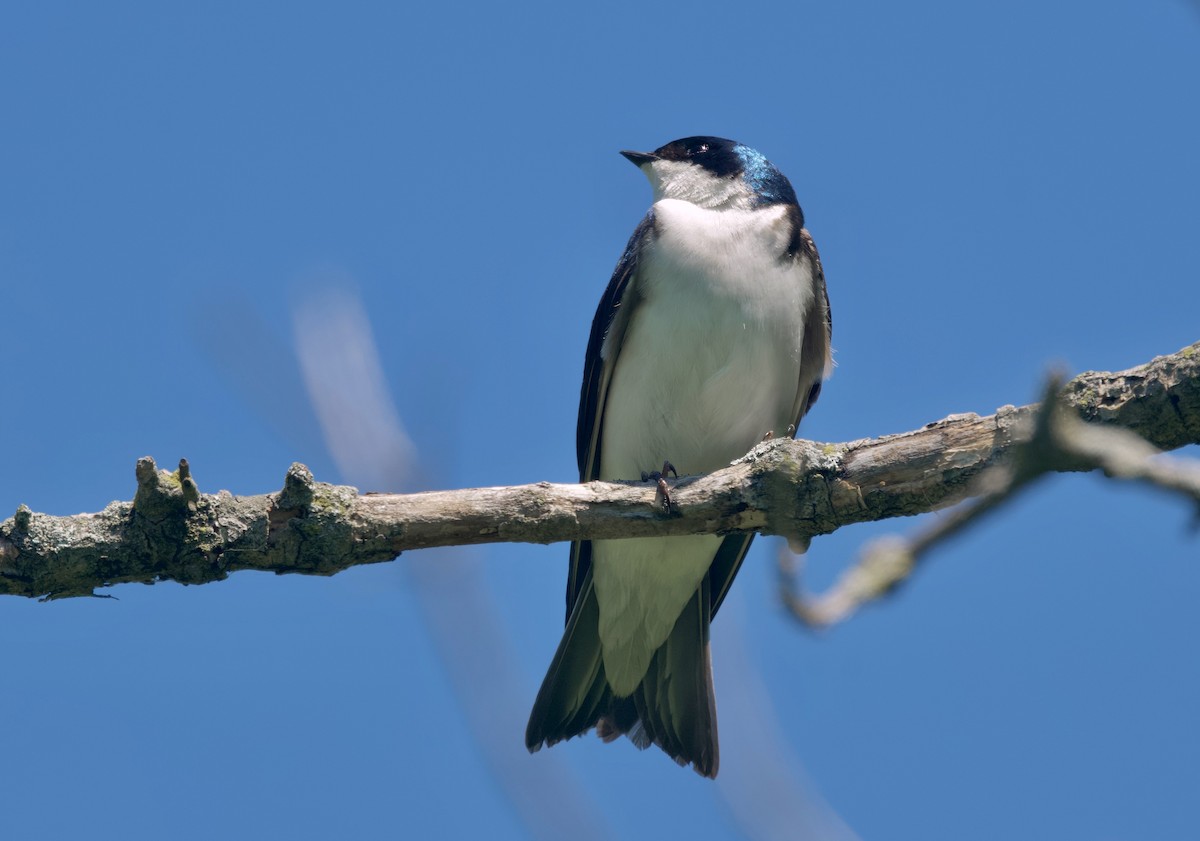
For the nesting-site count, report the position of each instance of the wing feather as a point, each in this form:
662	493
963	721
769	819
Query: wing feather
604	344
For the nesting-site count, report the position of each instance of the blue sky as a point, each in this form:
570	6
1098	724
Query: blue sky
994	189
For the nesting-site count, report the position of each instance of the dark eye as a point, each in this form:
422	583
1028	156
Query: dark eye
698	150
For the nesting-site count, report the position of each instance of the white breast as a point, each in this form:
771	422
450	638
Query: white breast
709	364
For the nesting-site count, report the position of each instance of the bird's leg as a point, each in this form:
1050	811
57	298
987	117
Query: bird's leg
661	491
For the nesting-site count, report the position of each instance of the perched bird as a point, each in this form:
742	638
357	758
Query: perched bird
712	335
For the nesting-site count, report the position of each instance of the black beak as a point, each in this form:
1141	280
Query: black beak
639	159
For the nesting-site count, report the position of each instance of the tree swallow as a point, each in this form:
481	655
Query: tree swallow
712	335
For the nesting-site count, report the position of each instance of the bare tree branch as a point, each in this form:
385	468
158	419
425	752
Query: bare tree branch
798	489
1059	442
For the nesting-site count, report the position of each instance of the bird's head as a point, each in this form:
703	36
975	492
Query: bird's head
713	172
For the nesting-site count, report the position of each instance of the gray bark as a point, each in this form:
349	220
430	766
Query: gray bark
798	489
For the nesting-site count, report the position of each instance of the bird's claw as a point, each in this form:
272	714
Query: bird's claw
661	491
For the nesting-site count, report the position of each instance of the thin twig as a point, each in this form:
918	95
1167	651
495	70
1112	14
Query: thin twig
1056	441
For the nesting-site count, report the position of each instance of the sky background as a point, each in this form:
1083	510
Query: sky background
994	188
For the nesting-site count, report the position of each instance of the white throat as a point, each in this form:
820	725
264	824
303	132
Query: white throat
693	183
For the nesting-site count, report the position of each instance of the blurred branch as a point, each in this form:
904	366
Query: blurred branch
1059	442
798	489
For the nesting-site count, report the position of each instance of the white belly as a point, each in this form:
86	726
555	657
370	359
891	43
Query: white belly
709	364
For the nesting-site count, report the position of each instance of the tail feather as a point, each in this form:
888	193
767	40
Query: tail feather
675	699
673	707
575	692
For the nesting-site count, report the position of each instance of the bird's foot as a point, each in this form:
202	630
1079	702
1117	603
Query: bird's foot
791	430
662	494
